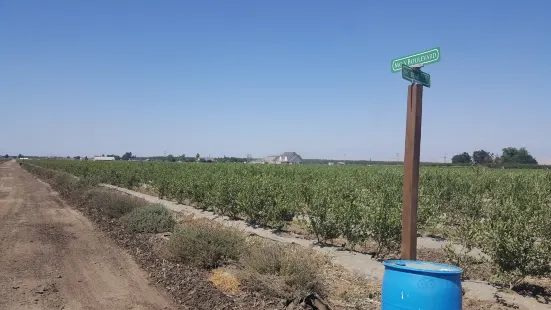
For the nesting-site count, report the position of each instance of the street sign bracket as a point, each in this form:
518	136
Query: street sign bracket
417	76
416	68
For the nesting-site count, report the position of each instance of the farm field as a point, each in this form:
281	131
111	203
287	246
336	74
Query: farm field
504	213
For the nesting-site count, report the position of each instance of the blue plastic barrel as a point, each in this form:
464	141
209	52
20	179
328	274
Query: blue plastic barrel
409	284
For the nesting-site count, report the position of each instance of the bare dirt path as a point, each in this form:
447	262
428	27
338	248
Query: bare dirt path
52	258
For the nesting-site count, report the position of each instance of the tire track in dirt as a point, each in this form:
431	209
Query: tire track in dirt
52	258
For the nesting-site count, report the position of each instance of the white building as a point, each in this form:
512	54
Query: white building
103	158
289	158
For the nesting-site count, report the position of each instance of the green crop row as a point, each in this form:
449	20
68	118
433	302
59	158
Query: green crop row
506	213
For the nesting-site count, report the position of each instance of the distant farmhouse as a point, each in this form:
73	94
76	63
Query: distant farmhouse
288	158
103	158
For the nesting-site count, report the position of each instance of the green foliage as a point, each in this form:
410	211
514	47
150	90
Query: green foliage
205	244
504	216
504	213
515	232
225	194
149	219
482	157
519	156
127	156
170	158
463	158
262	202
232	160
320	208
383	219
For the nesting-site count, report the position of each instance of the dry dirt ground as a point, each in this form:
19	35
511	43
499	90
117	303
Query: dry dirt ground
52	258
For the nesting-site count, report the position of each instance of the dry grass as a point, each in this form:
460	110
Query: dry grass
224	281
291	272
284	271
350	291
205	244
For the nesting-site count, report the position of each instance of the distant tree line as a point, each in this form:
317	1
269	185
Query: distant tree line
510	156
125	156
169	158
232	159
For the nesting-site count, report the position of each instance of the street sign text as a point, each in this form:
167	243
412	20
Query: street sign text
423	58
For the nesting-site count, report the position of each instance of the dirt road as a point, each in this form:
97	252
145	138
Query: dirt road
52	258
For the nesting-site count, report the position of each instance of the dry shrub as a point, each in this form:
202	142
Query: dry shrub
281	270
205	244
68	186
43	173
112	203
148	219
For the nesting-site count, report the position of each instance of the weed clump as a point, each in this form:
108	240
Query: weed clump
110	203
283	271
149	219
205	244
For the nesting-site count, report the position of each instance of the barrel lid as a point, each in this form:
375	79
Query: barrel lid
429	267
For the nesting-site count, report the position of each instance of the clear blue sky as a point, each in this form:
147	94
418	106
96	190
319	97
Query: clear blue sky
264	77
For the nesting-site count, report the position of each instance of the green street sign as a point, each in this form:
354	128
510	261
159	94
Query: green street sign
423	58
415	76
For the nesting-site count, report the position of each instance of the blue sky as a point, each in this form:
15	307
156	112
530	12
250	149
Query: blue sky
263	77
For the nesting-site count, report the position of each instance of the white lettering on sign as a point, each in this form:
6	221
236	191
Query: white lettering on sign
426	57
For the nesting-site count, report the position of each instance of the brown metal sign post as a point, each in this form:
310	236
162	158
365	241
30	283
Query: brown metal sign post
411	171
